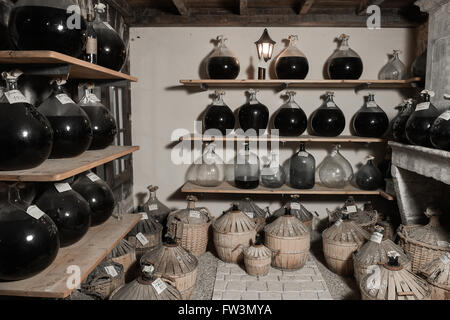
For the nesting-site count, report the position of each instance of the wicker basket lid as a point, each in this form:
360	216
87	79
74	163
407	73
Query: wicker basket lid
287	226
148	225
363	217
393	282
297	209
257	252
170	260
437	272
234	221
105	270
346	231
251	209
191	215
432	233
123	248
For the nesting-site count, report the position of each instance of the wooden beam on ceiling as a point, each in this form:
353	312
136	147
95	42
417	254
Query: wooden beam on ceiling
181	7
123	7
243	7
305	6
364	4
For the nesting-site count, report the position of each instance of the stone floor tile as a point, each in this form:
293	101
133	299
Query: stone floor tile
274	286
308	296
270	296
235	286
250	296
292	287
217	295
291	296
269	277
232	277
325	295
276	272
313	286
220	285
256	286
231	295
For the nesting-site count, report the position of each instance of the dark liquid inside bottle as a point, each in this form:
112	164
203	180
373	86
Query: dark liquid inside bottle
254	116
418	131
25	137
369	179
6	43
247	182
45	28
292	68
103	126
328	122
71	136
349	68
220	118
371	124
291	122
399	128
111	51
440	134
223	68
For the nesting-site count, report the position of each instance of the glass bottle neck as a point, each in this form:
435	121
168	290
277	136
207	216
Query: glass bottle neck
426	98
302	148
191	204
344	45
371	98
218	100
153	195
11	85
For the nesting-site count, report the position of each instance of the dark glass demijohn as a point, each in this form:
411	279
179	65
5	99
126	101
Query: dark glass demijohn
440	131
419	123
328	120
292	63
370	121
369	177
302	169
219	116
345	63
253	115
111	50
29	240
68	209
399	122
72	133
47	25
98	194
419	68
103	124
222	63
247	169
290	120
25	134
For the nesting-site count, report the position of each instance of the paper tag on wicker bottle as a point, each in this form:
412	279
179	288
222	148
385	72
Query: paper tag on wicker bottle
423	106
376	237
35	212
443	244
445	115
15	96
93	177
141	238
62	187
94	98
144	216
153	207
249	214
445	258
64	98
351	209
194	214
295	206
111	271
159	285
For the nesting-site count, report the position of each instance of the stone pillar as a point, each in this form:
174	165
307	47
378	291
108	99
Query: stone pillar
438	63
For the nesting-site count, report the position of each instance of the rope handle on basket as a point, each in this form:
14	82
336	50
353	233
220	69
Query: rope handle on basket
170	280
239	245
277	253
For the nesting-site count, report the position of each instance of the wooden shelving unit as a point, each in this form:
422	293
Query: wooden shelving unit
60	169
339	139
85	254
226	188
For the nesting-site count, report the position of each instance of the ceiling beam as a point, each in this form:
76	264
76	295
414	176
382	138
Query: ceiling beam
305	6
123	7
243	7
364	4
181	7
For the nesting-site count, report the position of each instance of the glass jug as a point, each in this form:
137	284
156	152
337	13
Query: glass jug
328	120
272	174
399	123
302	169
218	115
253	115
335	171
440	131
345	64
25	134
208	171
290	120
222	63
46	25
419	123
369	177
292	63
395	69
370	121
103	124
246	170
155	208
72	132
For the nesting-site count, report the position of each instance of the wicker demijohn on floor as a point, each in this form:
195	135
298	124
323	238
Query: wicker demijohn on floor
424	243
146	235
174	263
289	240
297	210
125	254
257	259
233	233
339	242
106	277
254	212
437	273
366	218
393	282
190	226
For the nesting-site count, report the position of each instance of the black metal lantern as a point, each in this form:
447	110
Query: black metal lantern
265	46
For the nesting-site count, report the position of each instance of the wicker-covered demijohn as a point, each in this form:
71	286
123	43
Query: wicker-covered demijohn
392	281
374	252
339	242
125	254
249	207
297	209
172	262
147	287
155	208
424	243
146	235
190	226
365	218
106	277
233	232
437	273
257	259
289	240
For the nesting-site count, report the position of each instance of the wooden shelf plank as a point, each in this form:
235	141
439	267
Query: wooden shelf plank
86	254
60	169
319	84
339	139
318	189
79	69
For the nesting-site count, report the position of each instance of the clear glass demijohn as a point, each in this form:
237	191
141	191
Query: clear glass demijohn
291	120
272	174
222	63
335	171
247	169
395	69
208	170
155	208
291	63
345	63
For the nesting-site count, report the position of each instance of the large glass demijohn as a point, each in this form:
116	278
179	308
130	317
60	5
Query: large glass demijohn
335	171
328	120
345	64
272	173
291	63
370	121
302	169
253	115
369	177
222	63
208	170
440	131
395	69
291	120
218	116
247	169
399	122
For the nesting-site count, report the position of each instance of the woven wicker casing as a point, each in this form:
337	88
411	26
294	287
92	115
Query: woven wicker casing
125	254
172	262
289	240
189	227
297	210
396	283
257	259
152	231
339	242
254	212
101	283
366	218
233	232
437	273
140	289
